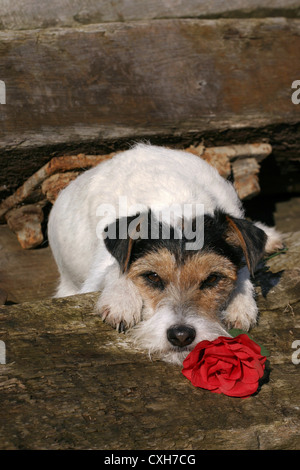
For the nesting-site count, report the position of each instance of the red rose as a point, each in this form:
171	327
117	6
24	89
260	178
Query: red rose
232	366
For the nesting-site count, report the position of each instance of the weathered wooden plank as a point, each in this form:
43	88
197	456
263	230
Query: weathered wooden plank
146	78
87	389
25	275
42	14
71	382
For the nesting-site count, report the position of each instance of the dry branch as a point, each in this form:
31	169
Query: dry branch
55	183
245	175
55	165
241	160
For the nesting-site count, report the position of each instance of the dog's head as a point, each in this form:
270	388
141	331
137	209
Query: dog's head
181	292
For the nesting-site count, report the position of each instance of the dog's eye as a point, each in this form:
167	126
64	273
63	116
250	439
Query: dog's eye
154	279
211	281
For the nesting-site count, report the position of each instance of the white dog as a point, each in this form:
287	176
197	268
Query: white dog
172	278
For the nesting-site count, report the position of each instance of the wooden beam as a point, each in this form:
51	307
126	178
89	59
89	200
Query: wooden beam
63	13
72	382
165	77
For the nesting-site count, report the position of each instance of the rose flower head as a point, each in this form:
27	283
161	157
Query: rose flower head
232	366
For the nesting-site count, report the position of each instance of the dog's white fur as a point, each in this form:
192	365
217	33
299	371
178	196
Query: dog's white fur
155	177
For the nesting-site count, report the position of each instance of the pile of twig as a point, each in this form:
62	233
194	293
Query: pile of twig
23	210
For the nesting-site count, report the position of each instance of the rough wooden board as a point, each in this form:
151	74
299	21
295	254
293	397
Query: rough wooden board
71	382
287	215
25	275
112	81
42	14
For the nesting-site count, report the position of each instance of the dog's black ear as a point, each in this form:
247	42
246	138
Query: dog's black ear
250	238
120	237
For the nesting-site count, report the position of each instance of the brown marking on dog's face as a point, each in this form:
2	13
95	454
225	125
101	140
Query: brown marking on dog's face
202	281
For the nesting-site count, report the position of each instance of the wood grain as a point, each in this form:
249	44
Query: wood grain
124	80
42	14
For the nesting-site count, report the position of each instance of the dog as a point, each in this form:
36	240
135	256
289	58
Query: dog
189	282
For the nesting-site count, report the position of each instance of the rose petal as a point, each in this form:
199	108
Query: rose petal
199	381
224	366
252	375
187	373
226	384
246	344
242	390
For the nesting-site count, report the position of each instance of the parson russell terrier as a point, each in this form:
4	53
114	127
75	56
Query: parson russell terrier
163	237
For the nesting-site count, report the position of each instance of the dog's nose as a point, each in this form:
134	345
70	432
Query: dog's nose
181	335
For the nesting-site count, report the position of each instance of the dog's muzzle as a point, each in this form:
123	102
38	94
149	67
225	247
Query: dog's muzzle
181	335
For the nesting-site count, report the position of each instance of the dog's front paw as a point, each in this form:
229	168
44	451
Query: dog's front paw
241	315
242	322
120	304
119	320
